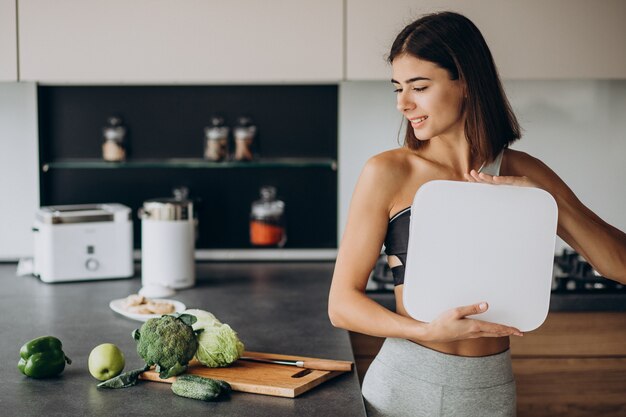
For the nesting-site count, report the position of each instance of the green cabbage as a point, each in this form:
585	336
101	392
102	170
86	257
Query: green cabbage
218	344
204	319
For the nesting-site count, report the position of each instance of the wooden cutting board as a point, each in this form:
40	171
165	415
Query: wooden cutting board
259	378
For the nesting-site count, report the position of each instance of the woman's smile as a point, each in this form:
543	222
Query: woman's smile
418	122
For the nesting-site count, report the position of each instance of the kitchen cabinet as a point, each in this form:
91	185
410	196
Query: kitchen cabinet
245	41
8	41
574	365
190	42
530	39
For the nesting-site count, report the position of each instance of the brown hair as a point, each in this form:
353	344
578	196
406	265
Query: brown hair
454	43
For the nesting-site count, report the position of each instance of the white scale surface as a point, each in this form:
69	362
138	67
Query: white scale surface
473	242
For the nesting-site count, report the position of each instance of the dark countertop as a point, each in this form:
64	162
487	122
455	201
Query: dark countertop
275	307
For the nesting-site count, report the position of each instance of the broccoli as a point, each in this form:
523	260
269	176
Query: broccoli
169	342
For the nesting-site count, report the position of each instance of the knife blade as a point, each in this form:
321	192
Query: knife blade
299	364
318	364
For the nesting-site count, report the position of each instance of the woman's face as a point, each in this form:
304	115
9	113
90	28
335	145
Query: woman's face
427	97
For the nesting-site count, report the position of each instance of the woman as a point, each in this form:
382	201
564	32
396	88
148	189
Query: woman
461	126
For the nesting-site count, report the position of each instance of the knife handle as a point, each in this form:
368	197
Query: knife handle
327	365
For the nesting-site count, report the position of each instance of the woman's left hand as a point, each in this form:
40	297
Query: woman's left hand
524	181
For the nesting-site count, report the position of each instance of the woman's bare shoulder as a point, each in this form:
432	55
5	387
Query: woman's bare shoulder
512	156
518	163
390	163
384	175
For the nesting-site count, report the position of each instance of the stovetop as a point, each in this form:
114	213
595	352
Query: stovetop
571	274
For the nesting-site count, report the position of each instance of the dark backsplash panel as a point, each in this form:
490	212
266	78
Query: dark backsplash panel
225	196
167	122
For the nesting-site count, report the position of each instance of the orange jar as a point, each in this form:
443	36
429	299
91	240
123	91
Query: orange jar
267	227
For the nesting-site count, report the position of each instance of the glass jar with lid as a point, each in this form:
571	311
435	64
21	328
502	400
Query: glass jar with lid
244	134
113	145
267	220
216	140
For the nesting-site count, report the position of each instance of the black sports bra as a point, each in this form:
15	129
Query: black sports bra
397	241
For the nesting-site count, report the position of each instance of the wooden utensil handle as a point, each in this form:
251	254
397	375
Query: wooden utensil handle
327	365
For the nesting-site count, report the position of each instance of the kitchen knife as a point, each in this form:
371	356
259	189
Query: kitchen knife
319	364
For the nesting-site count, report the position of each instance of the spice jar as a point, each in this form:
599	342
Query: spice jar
113	146
267	226
244	134
216	140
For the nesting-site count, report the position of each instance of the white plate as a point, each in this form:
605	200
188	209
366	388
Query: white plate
118	307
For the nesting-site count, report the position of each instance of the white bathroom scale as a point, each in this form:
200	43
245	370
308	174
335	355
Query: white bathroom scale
473	242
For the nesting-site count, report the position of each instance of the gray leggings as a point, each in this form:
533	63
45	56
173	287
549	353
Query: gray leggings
407	379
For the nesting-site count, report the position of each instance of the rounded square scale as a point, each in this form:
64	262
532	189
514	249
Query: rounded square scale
472	242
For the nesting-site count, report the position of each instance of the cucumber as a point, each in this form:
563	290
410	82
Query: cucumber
200	388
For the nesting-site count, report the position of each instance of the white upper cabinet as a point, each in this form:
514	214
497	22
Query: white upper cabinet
8	41
529	39
170	41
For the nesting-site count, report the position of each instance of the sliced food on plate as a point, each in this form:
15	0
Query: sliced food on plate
139	304
139	307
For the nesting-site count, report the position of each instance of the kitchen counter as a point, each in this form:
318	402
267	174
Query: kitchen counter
559	302
274	307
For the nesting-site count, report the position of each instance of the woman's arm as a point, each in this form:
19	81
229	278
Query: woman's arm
601	244
349	307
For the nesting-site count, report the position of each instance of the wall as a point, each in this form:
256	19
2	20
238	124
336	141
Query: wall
19	182
576	127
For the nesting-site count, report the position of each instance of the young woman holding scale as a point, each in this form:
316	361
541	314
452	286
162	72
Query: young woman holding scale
461	123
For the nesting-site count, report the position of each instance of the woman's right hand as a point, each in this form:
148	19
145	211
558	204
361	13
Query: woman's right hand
454	325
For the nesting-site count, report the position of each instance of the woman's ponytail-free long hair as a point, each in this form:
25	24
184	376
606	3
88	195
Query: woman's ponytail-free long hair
454	43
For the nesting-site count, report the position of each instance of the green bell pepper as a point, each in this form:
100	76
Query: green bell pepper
42	357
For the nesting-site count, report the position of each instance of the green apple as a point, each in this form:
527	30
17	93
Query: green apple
106	361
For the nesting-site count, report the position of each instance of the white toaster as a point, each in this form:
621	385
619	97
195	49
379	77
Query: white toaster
83	242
